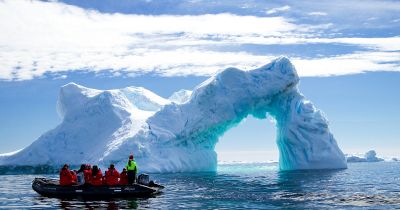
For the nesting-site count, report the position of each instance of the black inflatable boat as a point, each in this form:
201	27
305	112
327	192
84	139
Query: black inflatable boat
51	188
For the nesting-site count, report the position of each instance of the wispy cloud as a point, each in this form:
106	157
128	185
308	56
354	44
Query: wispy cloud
349	64
381	44
49	37
278	9
39	37
317	13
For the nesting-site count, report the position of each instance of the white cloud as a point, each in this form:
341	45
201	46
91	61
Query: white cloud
278	9
317	13
39	37
348	64
51	23
42	37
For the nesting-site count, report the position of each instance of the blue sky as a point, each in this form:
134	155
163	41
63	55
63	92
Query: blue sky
347	53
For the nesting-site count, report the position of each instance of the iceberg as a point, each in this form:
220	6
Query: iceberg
180	133
369	156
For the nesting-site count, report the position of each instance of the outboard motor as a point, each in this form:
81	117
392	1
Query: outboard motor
143	179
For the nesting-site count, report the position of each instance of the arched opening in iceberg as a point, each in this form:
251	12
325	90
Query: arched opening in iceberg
254	142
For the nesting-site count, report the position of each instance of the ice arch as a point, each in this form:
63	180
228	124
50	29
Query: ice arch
103	126
190	131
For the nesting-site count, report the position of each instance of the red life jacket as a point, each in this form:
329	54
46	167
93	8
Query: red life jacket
104	179
87	174
112	176
65	177
97	179
123	179
74	177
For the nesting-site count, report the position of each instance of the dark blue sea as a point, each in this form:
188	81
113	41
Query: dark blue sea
238	186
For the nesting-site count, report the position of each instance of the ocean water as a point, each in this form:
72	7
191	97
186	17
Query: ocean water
238	186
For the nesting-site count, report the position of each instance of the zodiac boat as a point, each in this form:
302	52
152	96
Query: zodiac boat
52	188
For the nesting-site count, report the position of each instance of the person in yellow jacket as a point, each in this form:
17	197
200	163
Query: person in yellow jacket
131	170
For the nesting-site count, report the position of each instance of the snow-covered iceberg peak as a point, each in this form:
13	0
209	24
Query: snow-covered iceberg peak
94	122
144	99
180	134
181	96
72	97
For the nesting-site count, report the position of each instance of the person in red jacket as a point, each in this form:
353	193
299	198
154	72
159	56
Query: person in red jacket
66	177
96	177
87	173
74	177
112	175
123	178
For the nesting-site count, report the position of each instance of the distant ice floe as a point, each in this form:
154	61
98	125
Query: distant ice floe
369	156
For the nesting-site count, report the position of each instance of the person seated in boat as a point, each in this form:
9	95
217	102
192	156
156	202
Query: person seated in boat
74	177
66	177
87	173
123	178
112	175
96	176
131	170
80	175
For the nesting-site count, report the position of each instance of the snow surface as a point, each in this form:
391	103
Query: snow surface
10	153
181	96
180	133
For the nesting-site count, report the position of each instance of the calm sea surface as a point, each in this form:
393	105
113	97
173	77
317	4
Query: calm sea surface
238	186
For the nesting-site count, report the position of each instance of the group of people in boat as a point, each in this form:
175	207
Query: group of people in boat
93	176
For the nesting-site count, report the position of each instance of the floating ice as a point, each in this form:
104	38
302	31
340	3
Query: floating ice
180	134
369	156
